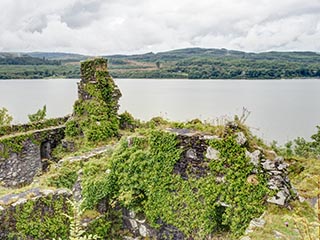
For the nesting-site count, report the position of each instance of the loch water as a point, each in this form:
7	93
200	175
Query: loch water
281	110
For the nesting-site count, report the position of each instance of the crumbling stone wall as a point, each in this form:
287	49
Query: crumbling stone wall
35	214
95	112
196	153
194	162
24	155
137	224
22	128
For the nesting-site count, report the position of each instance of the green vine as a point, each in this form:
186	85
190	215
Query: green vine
95	113
142	179
43	218
11	129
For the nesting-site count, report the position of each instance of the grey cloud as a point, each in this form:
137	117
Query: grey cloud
82	13
136	26
33	24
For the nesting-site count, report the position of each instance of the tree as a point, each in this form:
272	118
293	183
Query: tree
39	115
5	117
315	144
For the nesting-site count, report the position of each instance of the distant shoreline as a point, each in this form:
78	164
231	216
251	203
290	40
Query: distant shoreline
164	79
190	63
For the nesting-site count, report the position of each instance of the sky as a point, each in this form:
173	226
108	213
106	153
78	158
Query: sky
100	27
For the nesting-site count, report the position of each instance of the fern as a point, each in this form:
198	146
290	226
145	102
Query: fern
76	231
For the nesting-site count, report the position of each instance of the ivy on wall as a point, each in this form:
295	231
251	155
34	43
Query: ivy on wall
15	143
141	178
42	218
13	129
95	113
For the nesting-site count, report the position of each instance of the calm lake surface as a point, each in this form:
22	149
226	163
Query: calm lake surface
280	109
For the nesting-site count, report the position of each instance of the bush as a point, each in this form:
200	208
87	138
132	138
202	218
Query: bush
39	115
5	118
127	121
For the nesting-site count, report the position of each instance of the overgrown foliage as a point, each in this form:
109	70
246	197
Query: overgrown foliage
127	121
141	178
15	142
32	222
95	113
39	115
14	129
63	177
107	226
301	147
5	117
76	230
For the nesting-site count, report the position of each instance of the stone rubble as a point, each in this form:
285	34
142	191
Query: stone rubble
195	157
16	199
241	138
139	227
254	157
194	162
212	153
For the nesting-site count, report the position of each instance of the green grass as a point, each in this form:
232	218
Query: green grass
302	217
276	219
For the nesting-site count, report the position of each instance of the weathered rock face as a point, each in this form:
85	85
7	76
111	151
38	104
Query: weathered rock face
195	148
19	166
138	226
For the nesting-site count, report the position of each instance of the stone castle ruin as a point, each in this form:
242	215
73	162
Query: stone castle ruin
25	151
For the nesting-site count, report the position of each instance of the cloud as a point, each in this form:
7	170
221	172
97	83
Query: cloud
136	26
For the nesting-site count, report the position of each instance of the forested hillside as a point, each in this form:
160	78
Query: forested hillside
28	66
193	63
199	63
25	59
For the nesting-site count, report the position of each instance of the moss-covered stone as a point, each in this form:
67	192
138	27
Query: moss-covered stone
13	129
95	113
195	183
39	218
24	155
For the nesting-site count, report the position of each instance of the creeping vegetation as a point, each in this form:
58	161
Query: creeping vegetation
95	113
142	178
192	179
42	218
5	117
39	115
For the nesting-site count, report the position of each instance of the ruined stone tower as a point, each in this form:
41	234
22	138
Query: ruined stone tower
95	114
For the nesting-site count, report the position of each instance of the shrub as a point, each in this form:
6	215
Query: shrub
5	118
39	115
